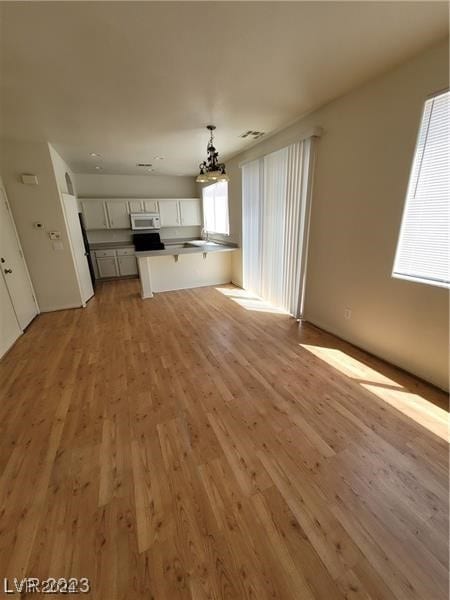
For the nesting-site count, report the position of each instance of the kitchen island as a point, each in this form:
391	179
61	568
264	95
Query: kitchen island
184	265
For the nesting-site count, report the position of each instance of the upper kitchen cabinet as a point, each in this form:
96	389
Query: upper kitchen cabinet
118	214
136	206
183	212
148	206
114	213
169	213
190	212
94	214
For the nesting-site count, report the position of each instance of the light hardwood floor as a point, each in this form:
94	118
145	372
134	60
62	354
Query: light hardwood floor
185	447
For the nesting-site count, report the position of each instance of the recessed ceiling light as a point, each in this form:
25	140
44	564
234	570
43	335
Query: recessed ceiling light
158	158
98	168
94	154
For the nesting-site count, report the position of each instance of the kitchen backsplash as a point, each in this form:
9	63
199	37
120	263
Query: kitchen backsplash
125	235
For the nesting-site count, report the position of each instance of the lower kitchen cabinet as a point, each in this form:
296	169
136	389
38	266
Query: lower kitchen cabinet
107	267
120	262
127	265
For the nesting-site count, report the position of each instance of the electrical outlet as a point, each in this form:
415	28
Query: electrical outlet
347	313
54	235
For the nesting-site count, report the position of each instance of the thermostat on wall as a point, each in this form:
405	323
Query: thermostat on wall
29	179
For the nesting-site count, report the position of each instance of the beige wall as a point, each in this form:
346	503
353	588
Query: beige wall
137	186
52	270
60	168
361	176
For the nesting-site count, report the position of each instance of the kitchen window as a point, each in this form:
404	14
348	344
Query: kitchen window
215	208
423	246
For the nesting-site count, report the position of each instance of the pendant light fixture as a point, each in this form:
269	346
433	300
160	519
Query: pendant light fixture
211	170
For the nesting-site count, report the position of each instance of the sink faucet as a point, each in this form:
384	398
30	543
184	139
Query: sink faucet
204	234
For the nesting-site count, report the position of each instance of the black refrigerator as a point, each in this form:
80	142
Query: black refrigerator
87	251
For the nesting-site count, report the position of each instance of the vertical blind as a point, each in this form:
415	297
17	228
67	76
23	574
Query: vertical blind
276	192
423	246
251	226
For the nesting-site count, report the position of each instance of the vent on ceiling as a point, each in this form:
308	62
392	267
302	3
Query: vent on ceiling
144	164
254	134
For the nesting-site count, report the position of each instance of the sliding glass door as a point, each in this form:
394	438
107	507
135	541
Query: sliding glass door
276	192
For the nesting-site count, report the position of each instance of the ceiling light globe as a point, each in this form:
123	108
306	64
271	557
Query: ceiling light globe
202	178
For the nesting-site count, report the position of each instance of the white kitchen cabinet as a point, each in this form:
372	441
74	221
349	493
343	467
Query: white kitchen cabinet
107	266
94	214
118	215
112	262
151	206
102	213
135	206
190	212
169	213
148	206
127	265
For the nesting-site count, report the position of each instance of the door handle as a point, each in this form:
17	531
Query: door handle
8	271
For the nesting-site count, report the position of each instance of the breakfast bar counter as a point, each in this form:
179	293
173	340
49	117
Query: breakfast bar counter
184	265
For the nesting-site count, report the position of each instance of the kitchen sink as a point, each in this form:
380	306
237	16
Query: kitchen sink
200	243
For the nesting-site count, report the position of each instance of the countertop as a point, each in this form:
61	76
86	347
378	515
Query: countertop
178	248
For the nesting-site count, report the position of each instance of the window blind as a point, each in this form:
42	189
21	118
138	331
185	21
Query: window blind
276	193
423	247
251	226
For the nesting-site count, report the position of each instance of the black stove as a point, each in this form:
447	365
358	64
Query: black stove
147	241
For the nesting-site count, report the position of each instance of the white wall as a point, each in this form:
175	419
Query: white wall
137	186
52	270
361	177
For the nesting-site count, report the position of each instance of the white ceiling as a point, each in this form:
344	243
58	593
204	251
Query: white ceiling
133	80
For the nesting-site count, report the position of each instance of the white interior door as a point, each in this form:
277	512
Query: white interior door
9	326
14	269
77	244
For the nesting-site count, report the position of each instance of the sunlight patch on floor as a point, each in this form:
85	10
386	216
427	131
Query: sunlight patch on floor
424	412
349	366
249	301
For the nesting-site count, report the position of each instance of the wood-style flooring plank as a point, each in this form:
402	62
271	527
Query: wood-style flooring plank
184	447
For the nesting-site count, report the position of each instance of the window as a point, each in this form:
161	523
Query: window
423	246
215	208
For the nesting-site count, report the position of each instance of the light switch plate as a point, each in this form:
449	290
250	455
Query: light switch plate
58	246
28	179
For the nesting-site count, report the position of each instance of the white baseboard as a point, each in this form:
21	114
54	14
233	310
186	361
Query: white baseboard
46	309
11	345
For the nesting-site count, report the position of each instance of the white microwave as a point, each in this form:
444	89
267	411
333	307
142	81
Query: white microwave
144	221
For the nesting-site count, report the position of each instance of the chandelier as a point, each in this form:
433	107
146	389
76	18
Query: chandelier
211	169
